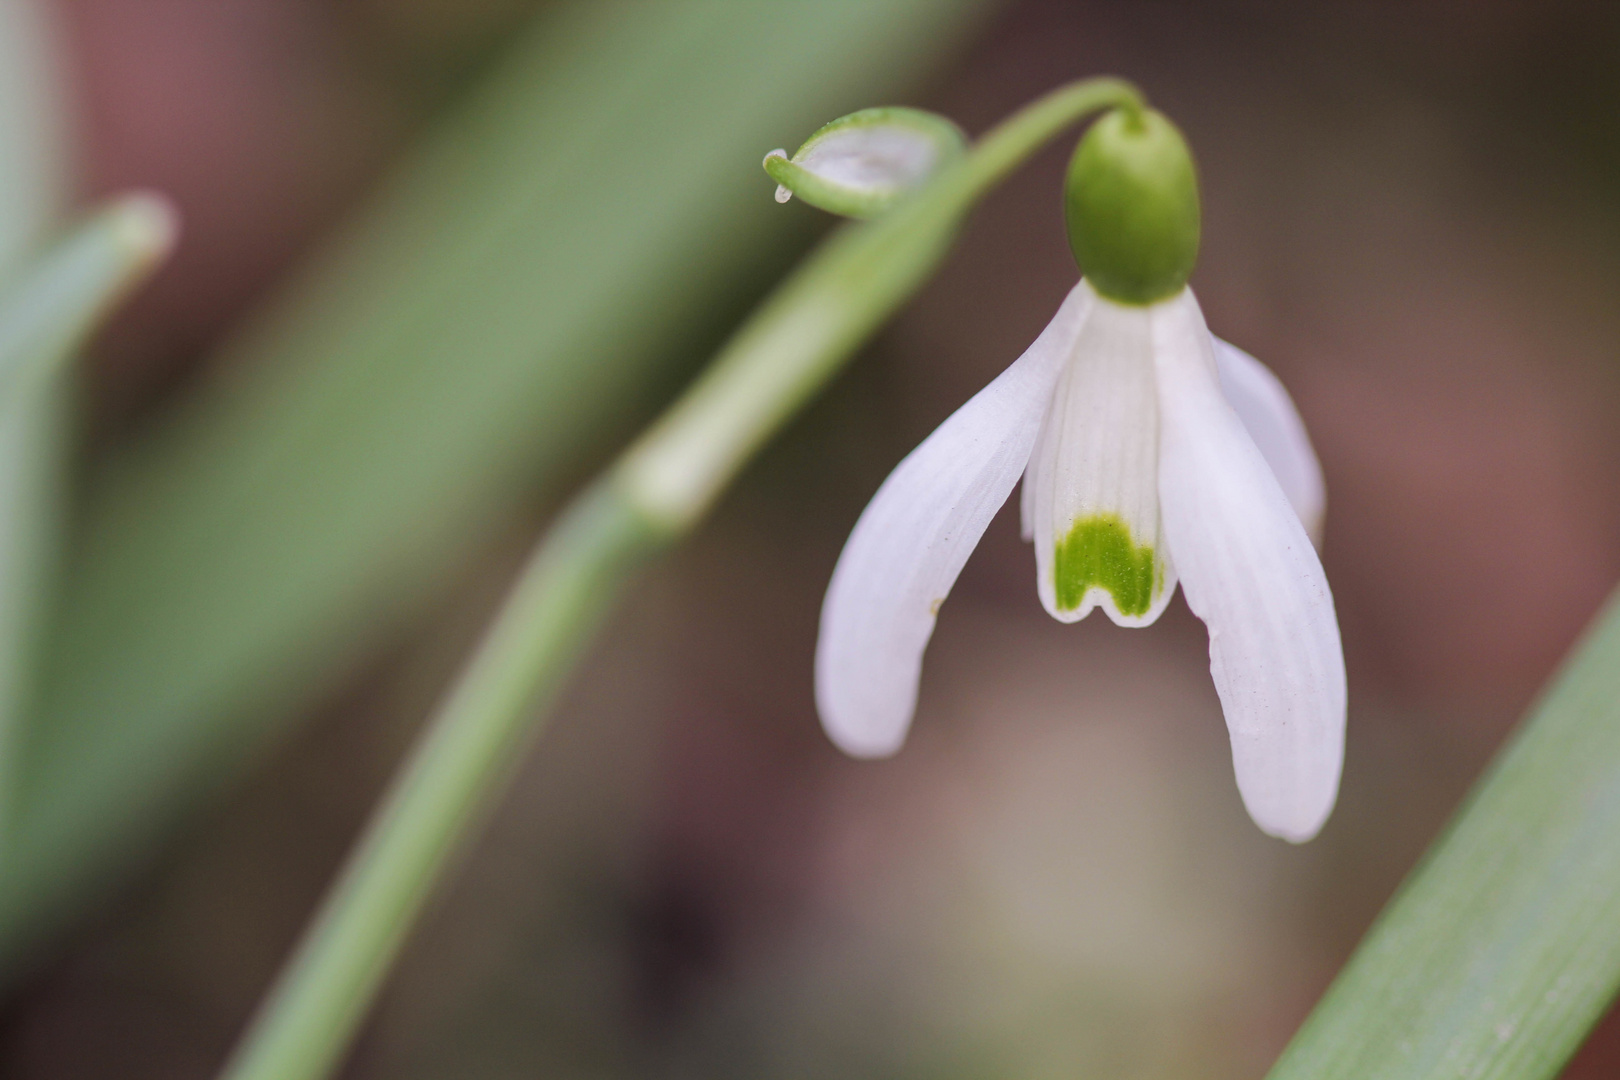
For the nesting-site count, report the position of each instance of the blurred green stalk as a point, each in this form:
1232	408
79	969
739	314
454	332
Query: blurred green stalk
585	220
1503	948
660	489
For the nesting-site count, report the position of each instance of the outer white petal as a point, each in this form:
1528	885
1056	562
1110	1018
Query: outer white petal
1026	490
913	539
1262	403
1250	572
1094	477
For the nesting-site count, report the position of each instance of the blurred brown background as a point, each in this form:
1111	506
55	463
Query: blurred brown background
1413	214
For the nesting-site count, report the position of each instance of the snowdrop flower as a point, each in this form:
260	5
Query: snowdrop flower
1151	453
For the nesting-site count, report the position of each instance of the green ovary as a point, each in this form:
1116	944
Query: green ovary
1100	553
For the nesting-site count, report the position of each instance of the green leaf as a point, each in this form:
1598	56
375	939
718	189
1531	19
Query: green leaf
506	300
1503	949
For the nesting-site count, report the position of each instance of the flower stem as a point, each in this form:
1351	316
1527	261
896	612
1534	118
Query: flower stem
661	487
469	749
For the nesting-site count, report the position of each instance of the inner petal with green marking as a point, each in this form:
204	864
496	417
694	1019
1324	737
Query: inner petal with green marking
1100	553
1093	502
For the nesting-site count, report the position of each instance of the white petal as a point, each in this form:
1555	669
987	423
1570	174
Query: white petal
1250	572
913	539
1262	403
1095	477
1027	489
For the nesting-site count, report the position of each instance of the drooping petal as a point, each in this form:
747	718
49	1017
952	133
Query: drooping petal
1094	477
914	537
1263	404
1028	487
1249	571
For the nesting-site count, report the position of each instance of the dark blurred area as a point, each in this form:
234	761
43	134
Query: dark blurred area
1412	214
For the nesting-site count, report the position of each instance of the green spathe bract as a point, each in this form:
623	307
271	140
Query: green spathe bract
859	164
1131	203
1100	552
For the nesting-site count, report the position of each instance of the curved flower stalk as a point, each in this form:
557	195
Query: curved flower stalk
1151	453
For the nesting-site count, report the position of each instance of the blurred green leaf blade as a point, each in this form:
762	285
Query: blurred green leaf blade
1503	949
54	303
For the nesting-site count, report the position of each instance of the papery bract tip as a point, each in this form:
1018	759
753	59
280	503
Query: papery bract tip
859	164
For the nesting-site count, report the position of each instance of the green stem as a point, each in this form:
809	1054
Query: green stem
472	745
660	488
